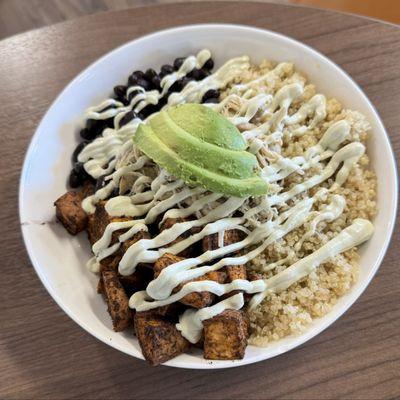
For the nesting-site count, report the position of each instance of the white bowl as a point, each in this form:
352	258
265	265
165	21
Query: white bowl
59	259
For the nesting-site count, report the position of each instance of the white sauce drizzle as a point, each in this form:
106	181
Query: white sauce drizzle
358	232
164	194
191	321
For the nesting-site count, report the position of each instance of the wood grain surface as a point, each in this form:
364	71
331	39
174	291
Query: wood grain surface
21	15
44	354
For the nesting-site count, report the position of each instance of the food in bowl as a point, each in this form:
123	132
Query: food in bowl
222	208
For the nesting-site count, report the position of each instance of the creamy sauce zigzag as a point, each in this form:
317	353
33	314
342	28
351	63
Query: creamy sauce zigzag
151	197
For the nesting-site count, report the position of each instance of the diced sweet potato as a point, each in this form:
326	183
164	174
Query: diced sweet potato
164	261
210	242
70	213
117	300
235	272
251	276
195	299
169	223
87	189
170	311
112	261
225	336
159	339
136	281
97	224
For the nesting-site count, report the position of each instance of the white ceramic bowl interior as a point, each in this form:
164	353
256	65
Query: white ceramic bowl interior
59	259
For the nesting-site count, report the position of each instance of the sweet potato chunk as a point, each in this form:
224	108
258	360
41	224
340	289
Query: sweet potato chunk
159	339
164	261
195	299
235	272
97	224
210	242
225	336
136	281
117	300
169	223
70	212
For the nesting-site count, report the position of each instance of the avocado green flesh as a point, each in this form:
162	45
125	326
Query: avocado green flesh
235	164
217	130
154	148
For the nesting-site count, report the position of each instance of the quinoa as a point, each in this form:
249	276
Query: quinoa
291	311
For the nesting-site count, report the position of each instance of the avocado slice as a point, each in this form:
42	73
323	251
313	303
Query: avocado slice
201	147
218	130
154	148
236	164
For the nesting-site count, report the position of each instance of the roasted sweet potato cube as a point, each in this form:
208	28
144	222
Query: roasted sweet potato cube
70	213
170	311
98	222
159	339
169	223
225	336
136	281
87	189
203	299
195	299
117	300
210	242
112	261
235	272
164	261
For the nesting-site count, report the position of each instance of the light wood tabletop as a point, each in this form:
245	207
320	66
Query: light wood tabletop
44	354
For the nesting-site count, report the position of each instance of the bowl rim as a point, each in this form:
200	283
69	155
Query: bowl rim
326	320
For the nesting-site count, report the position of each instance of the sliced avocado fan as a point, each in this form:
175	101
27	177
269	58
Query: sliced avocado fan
201	147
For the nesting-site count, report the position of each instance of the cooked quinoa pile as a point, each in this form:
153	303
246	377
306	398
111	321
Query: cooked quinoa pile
290	311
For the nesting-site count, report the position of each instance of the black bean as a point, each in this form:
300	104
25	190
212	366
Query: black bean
109	123
194	73
99	183
162	102
132	80
209	64
120	91
150	74
178	62
147	111
79	169
138	74
175	87
143	83
107	108
212	93
75	180
203	73
133	94
141	115
211	100
115	192
156	81
128	117
87	134
184	81
167	69
77	150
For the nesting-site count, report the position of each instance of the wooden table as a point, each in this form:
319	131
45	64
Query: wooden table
44	354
